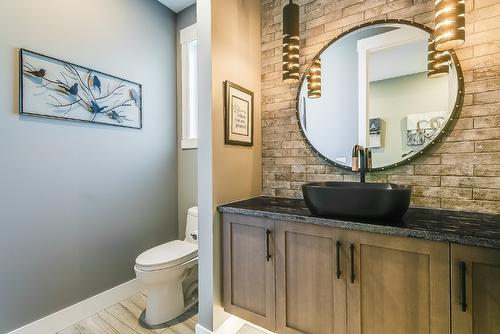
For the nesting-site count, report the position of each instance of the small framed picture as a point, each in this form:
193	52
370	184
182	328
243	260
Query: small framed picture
238	115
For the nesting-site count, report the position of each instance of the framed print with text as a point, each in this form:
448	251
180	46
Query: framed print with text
238	115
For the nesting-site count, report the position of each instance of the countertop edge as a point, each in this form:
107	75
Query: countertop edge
364	227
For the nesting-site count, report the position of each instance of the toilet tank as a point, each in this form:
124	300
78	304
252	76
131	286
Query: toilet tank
192	225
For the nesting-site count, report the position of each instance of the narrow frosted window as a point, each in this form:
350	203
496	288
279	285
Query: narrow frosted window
189	62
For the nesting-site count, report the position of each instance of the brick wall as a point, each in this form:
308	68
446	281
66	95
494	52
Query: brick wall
460	172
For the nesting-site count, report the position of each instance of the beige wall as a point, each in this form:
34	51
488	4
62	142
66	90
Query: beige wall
236	170
460	172
236	57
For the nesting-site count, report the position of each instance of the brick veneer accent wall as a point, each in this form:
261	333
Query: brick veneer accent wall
460	172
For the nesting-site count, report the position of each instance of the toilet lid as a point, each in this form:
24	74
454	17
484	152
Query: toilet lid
167	255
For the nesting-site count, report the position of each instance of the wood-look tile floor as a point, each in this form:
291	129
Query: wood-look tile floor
123	318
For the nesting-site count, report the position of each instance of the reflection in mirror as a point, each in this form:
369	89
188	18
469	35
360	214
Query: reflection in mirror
378	90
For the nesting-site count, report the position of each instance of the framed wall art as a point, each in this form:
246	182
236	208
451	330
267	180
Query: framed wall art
54	88
238	115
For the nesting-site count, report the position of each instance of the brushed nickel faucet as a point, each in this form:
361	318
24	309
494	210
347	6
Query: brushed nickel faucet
361	161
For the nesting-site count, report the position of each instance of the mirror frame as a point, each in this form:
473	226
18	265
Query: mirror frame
459	101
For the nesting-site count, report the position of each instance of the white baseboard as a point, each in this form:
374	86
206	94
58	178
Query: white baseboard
231	326
199	329
64	318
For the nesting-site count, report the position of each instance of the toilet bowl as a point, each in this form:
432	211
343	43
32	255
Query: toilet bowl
170	274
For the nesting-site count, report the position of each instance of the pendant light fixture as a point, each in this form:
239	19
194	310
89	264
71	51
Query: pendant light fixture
449	22
291	43
437	61
314	80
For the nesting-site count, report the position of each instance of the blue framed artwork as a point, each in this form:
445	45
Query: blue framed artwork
57	89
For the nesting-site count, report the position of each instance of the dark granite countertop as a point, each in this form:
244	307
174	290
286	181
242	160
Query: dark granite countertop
467	228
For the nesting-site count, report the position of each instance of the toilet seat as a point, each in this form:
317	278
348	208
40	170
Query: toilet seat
167	255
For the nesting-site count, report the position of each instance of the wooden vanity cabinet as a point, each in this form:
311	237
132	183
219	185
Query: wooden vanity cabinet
475	290
310	279
249	275
330	280
397	285
302	278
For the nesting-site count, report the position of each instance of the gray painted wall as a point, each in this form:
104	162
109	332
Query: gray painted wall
187	159
79	202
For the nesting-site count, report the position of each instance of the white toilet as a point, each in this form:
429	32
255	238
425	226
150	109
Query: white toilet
170	274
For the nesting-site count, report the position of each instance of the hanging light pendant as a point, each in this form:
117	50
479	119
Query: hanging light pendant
449	18
291	43
437	61
314	80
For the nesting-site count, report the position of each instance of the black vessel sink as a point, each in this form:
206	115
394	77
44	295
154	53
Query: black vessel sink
374	201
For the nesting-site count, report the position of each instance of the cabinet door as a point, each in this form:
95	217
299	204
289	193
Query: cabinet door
397	285
310	296
475	290
248	269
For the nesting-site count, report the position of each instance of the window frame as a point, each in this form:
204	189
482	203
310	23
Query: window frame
188	139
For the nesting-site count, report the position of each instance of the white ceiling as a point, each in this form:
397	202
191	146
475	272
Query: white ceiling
177	5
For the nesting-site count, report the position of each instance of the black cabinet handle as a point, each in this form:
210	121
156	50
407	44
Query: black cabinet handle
353	275
338	244
463	288
268	256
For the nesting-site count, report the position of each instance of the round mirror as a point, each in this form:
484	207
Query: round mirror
382	86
